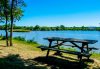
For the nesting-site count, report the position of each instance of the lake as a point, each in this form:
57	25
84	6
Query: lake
39	35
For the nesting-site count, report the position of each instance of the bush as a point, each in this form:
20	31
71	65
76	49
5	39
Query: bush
23	39
19	38
31	41
3	37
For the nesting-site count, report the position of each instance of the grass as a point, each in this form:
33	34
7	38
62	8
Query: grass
26	55
70	49
96	55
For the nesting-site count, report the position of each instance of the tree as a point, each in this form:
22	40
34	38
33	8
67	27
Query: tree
16	13
58	28
4	15
37	28
62	27
11	10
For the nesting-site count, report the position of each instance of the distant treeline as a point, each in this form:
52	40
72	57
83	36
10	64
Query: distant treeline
57	28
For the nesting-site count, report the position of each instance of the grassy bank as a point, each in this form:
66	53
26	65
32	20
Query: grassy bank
25	55
20	30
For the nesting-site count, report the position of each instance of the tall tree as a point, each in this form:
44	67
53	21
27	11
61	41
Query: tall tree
4	16
11	15
37	28
11	10
15	13
62	27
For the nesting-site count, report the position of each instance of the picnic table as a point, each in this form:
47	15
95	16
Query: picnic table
83	46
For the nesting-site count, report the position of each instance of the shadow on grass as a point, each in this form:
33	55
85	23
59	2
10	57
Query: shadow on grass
68	58
83	60
15	62
58	63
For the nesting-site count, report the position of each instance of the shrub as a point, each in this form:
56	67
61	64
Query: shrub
19	38
31	41
3	37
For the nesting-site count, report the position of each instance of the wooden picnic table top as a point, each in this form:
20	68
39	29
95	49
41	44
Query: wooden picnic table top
71	40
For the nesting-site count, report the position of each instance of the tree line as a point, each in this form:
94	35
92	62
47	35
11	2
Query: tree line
57	28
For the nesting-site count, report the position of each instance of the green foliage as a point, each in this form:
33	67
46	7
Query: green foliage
37	27
31	41
5	9
3	37
45	28
11	11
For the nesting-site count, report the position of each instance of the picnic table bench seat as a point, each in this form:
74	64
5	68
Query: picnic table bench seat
90	48
93	48
65	51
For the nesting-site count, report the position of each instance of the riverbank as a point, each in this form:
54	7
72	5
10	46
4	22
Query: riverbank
39	35
28	55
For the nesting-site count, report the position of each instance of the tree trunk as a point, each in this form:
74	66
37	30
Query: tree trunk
11	29
6	32
6	16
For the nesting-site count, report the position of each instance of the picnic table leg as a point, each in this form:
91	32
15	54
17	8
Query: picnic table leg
58	52
80	57
87	51
50	42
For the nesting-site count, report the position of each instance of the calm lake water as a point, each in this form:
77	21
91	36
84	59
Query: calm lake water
39	35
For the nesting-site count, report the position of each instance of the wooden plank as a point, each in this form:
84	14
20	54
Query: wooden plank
90	41
66	51
69	45
71	40
92	48
43	47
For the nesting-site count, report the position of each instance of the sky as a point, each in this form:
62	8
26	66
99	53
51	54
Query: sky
61	12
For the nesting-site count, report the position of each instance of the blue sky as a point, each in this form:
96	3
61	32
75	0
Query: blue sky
61	12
